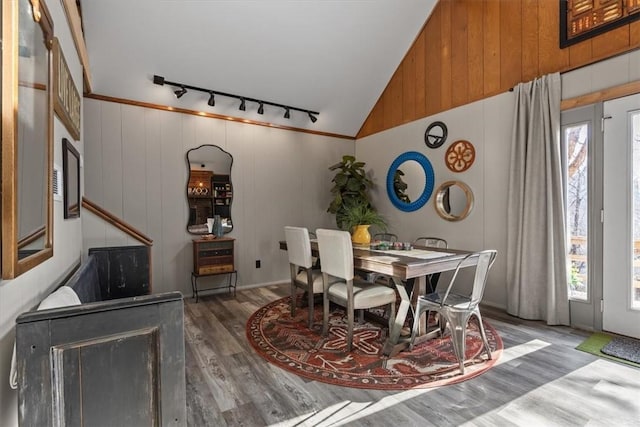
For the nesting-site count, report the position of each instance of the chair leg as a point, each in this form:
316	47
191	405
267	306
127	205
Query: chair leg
293	289
310	296
350	316
458	326
416	325
325	313
485	342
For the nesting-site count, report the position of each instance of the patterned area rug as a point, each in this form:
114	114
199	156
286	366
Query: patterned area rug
289	344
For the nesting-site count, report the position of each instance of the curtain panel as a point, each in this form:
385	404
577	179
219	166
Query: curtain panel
536	242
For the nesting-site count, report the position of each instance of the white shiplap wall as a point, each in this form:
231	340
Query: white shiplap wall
135	167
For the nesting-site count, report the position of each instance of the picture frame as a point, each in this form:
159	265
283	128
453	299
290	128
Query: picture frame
581	20
66	99
71	179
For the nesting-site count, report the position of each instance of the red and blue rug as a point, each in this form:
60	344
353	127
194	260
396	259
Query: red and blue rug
288	343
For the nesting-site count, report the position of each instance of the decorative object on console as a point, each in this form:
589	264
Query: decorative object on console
159	80
435	135
460	156
419	181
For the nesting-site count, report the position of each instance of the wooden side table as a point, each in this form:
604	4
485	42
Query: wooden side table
213	257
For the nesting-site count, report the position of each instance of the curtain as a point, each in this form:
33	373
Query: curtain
536	242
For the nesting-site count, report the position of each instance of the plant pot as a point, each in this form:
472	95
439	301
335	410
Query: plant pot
360	235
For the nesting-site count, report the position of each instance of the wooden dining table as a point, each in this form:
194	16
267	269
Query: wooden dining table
401	265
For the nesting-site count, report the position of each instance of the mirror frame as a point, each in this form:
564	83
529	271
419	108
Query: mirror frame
12	265
429	180
223	151
68	152
439	201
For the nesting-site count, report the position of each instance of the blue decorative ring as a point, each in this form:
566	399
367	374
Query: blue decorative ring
429	180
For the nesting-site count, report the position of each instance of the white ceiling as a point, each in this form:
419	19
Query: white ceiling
331	56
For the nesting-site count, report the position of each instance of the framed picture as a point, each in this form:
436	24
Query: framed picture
583	19
71	179
66	99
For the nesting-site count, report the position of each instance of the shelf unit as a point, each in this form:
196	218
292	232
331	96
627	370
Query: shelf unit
222	195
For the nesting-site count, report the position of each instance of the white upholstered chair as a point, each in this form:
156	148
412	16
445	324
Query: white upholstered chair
301	264
336	259
456	309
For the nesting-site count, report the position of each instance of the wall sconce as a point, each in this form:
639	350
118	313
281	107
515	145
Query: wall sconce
182	89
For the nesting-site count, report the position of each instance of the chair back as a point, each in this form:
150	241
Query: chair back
434	242
385	237
485	261
336	253
298	246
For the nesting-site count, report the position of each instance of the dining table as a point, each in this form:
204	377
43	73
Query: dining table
400	265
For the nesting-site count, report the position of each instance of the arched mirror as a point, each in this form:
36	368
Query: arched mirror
454	200
209	188
27	135
410	181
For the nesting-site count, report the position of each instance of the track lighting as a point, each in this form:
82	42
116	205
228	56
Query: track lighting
180	92
182	89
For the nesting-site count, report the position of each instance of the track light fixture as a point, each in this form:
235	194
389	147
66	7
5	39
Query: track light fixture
180	92
182	89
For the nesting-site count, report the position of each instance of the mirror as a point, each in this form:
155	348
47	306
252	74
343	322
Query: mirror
410	181
209	188
71	179
27	130
454	200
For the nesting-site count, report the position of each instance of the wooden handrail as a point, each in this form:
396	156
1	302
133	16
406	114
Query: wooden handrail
31	237
116	222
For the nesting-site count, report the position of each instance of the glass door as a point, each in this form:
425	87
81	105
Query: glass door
621	251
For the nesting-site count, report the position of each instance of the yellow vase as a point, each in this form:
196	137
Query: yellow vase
360	235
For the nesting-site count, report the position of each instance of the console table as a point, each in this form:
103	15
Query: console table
212	257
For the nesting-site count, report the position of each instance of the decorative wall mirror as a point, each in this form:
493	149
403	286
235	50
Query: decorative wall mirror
71	179
454	200
209	188
410	181
27	134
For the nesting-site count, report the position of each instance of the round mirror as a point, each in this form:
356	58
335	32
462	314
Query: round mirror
209	189
454	200
410	181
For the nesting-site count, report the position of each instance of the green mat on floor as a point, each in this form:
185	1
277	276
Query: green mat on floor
594	344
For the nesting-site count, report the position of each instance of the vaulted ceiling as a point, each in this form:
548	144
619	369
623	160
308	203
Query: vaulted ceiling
331	56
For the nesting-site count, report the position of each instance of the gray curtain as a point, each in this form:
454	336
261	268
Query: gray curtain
536	242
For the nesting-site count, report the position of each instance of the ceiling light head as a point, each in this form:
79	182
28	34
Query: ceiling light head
287	114
261	108
312	118
180	92
212	99
159	80
243	105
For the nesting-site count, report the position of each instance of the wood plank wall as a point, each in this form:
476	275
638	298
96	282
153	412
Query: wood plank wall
473	49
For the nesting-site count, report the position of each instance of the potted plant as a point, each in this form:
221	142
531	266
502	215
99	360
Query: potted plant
350	187
357	218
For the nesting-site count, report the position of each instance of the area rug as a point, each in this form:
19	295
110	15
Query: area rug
288	343
596	343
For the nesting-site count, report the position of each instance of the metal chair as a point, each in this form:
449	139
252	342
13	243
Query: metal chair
385	237
301	264
336	253
433	242
456	309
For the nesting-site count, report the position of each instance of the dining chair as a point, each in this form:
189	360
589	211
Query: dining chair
385	237
433	242
336	253
301	265
456	309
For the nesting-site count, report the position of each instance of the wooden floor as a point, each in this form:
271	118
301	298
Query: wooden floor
540	380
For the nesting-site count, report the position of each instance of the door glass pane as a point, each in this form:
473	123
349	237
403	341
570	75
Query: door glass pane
635	284
576	140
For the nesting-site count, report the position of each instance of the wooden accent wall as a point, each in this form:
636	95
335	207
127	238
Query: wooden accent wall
473	49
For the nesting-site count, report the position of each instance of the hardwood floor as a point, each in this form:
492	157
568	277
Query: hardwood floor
540	380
